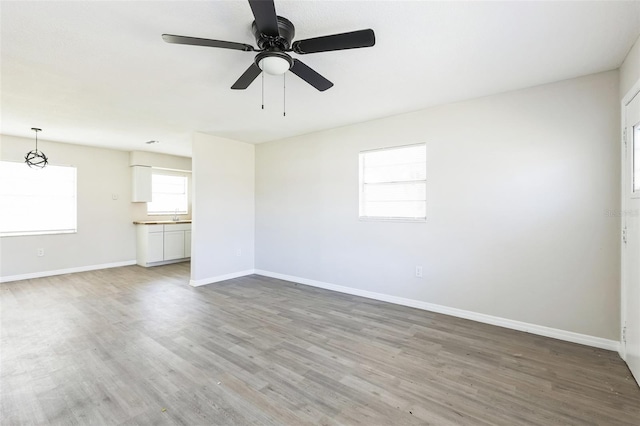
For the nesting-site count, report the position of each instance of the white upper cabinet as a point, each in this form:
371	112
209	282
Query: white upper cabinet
141	179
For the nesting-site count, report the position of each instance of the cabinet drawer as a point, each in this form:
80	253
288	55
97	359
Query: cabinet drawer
153	228
178	227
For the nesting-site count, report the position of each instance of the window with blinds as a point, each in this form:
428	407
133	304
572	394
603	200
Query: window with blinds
169	193
393	183
37	201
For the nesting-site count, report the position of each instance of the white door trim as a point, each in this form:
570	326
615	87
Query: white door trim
626	100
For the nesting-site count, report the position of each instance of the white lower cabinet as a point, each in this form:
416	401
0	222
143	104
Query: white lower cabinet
160	244
187	243
155	252
173	244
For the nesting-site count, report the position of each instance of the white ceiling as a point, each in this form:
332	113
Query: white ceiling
98	72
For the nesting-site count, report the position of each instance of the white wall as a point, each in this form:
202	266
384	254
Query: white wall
105	231
223	209
630	69
518	187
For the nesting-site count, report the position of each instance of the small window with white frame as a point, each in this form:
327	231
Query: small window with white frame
393	183
37	201
169	193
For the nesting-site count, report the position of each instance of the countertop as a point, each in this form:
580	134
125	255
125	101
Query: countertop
160	222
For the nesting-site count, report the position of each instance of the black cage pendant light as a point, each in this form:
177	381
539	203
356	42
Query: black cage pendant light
36	158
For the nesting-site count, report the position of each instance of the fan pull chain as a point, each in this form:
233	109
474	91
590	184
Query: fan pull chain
262	90
284	94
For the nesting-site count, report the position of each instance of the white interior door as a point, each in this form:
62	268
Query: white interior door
631	239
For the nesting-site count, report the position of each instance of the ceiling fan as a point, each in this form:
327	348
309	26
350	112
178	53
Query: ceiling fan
274	35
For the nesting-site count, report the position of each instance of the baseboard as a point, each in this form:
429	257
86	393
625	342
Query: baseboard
211	280
65	271
540	330
164	262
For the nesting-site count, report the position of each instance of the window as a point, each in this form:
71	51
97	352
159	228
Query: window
169	193
393	183
37	201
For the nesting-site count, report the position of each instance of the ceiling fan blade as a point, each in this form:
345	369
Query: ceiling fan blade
352	40
310	76
194	41
247	78
266	19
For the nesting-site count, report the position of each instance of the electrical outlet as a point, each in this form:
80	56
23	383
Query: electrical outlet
238	252
40	252
418	271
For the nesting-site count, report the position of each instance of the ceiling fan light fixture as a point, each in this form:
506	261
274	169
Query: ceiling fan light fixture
273	62
274	65
274	36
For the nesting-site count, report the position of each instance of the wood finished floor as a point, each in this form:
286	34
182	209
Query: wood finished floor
139	346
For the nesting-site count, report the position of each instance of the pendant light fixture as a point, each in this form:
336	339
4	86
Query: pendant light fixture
36	158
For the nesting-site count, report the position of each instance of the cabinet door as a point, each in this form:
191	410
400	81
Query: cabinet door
187	243
155	249
173	245
141	179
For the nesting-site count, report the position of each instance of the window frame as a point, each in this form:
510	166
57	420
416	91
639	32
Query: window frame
361	184
73	230
171	172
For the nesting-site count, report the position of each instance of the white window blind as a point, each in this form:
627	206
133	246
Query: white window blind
169	193
37	201
393	183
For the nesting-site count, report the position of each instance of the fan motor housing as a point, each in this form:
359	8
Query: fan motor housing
281	42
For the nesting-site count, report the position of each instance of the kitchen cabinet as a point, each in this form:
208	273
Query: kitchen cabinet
155	245
187	243
174	241
162	244
141	180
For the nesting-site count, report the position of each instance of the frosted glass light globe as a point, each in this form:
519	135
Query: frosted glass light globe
274	65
